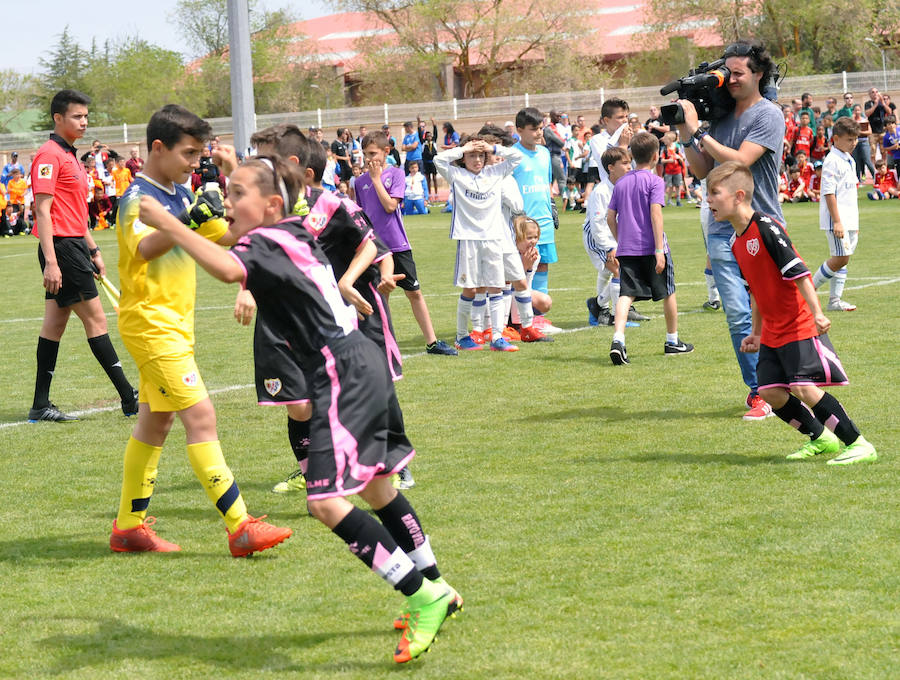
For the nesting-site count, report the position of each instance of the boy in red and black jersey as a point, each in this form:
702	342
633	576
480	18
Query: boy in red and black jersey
789	328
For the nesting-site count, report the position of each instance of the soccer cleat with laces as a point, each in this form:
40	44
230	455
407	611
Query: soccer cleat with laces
293	482
635	315
429	607
478	336
512	334
50	414
859	451
139	539
130	406
593	311
712	306
532	334
759	408
827	443
838	305
254	535
467	344
402	618
440	347
501	344
680	347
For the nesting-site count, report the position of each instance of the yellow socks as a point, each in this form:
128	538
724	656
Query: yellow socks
138	480
212	471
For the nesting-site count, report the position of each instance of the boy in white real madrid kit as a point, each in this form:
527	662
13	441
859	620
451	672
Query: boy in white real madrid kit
839	212
478	226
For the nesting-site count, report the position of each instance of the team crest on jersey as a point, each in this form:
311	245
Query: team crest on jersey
753	246
190	379
45	171
272	385
315	222
387	182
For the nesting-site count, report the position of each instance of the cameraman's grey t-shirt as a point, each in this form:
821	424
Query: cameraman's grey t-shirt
763	124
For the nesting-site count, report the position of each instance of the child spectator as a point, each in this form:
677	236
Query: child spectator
122	178
393	157
429	151
380	192
573	196
839	212
416	191
4	223
804	136
478	228
885	185
411	146
820	145
645	265
815	182
615	132
355	172
789	329
598	239
527	233
891	142
342	190
797	187
16	189
673	169
805	168
783	181
328	175
99	207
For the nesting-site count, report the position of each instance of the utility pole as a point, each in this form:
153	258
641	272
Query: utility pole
243	114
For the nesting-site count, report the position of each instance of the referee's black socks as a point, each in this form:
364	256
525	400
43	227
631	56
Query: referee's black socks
47	351
106	356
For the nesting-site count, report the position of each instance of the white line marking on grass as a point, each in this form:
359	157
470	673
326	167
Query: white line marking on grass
6	257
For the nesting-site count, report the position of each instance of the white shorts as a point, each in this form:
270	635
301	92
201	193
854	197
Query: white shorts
842	246
598	247
479	264
512	267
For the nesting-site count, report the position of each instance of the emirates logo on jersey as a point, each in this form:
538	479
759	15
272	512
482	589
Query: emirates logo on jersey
272	385
753	246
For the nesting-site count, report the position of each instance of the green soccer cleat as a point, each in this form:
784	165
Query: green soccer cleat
428	609
402	619
859	451
827	442
293	482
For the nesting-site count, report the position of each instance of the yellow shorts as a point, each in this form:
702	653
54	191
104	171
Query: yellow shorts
171	383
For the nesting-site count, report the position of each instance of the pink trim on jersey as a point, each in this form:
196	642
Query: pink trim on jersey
243	268
321	213
390	343
282	403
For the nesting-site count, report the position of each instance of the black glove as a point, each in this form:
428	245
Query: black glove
208	205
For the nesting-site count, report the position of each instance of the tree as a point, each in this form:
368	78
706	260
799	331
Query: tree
482	40
17	92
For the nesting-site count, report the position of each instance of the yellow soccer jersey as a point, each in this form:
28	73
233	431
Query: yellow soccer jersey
156	310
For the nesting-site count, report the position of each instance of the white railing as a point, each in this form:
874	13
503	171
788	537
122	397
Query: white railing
497	108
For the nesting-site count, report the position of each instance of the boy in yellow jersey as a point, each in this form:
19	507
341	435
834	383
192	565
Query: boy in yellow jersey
156	322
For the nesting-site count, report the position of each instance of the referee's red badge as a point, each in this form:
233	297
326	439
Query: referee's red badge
753	246
45	171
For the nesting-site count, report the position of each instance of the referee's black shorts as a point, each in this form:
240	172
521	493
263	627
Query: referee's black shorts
74	260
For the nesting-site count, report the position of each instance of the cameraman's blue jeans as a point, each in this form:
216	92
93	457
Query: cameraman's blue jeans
735	302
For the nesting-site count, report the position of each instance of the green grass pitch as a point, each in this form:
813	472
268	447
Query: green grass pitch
601	522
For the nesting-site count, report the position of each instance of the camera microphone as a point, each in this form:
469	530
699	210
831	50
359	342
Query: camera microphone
671	87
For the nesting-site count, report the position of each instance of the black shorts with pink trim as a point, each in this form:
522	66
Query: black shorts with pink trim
378	327
279	379
802	362
349	432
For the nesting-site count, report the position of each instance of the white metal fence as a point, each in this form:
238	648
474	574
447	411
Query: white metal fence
498	108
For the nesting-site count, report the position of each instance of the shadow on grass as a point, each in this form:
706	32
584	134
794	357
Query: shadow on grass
617	413
61	550
114	642
704	458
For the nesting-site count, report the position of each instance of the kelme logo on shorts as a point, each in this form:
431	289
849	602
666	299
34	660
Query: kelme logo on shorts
190	379
272	385
753	246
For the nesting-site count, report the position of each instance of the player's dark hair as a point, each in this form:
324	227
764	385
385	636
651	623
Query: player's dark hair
845	127
378	138
610	106
643	146
465	139
529	117
316	159
612	155
758	59
793	169
172	122
277	177
286	139
62	99
496	135
890	119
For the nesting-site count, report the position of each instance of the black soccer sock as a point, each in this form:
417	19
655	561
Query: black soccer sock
399	518
371	542
106	356
830	412
298	435
797	415
47	351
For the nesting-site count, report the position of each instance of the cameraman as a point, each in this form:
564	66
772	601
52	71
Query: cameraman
752	134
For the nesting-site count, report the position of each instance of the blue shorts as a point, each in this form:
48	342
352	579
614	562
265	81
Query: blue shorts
547	252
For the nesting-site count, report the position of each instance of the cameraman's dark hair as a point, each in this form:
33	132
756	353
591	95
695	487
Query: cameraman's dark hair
378	138
612	155
270	172
496	135
62	99
286	139
610	106
316	159
643	146
172	122
758	59
845	127
529	117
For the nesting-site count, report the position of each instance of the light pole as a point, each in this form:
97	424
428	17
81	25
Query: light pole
883	63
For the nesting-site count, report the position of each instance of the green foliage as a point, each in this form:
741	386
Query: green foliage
601	522
17	92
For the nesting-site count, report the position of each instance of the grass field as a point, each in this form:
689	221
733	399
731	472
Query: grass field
601	522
